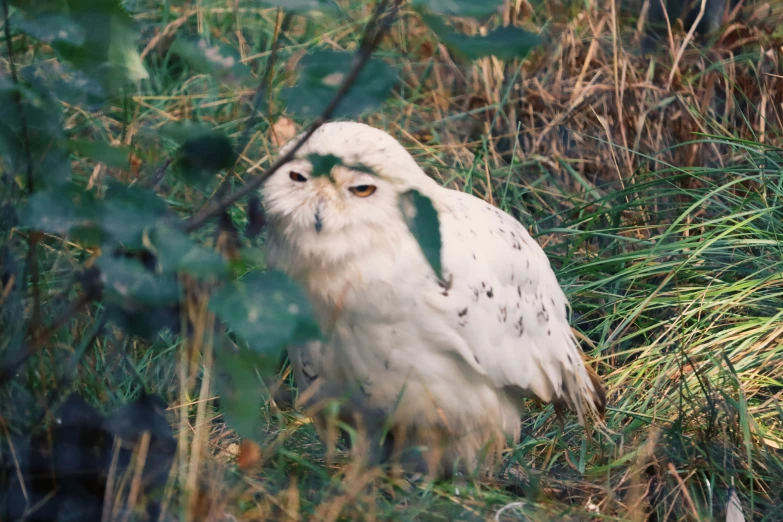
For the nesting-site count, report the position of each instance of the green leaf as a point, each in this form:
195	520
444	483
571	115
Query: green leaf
300	6
60	210
322	73
204	156
50	28
66	83
126	282
51	165
323	164
505	43
175	252
127	211
422	220
40	7
268	310
123	214
144	321
217	60
183	131
469	8
239	388
109	52
203	150
102	152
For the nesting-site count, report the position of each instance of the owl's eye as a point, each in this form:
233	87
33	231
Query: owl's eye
363	190
297	177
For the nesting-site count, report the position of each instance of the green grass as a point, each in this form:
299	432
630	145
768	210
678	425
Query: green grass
672	265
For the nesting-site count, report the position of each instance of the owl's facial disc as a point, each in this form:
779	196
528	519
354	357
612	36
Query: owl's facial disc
324	206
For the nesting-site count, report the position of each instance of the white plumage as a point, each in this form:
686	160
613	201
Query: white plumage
449	364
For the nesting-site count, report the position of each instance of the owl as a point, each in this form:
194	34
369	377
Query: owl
437	363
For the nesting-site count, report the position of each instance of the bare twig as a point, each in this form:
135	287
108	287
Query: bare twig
374	31
18	99
157	176
34	237
37	339
685	42
52	402
264	86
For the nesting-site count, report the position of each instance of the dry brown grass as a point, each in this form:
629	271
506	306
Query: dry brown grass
575	133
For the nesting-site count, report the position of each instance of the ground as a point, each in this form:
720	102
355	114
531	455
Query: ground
653	183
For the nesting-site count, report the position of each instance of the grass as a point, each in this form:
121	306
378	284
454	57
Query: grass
656	191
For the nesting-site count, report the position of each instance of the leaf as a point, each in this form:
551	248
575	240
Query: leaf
469	8
50	28
122	214
322	73
217	60
58	211
239	388
127	283
203	150
422	220
205	155
175	252
51	166
268	310
66	83
102	152
145	322
109	52
504	43
323	164
299	6
186	130
40	7
127	211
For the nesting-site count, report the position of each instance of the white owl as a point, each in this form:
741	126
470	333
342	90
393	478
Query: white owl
445	365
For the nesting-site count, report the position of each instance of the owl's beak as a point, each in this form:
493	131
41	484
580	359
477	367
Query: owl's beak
319	224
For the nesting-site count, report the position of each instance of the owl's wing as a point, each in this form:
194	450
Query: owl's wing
502	300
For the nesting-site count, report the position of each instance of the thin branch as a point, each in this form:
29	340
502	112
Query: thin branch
37	340
18	99
264	86
157	176
374	32
67	378
33	237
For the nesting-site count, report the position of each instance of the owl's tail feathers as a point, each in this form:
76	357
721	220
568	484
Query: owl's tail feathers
588	399
599	392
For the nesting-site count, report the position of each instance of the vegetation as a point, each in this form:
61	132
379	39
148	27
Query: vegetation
135	304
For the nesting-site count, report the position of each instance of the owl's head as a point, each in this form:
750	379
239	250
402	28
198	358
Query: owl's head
359	194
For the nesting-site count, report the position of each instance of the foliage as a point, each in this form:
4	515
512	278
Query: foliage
139	263
672	269
321	75
505	43
422	220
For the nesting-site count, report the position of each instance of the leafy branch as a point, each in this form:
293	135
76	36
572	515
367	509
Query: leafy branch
38	339
148	264
374	32
33	237
18	98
